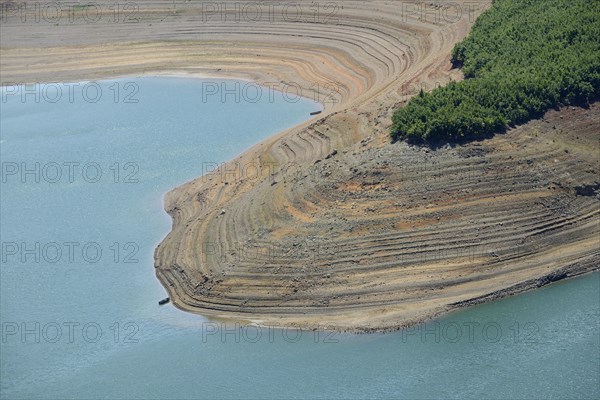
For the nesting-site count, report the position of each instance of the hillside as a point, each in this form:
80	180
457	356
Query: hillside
522	58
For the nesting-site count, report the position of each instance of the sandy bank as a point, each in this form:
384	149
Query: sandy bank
342	229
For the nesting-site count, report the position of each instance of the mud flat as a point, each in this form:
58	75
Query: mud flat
340	228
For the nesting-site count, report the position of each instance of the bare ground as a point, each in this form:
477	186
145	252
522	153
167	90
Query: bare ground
339	228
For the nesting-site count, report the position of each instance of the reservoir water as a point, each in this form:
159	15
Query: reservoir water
84	170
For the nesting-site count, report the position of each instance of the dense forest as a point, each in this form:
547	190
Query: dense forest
521	58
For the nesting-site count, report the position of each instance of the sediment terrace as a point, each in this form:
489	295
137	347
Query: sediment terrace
334	226
344	51
381	236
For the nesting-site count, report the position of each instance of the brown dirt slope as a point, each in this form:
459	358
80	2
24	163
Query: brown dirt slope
379	236
327	224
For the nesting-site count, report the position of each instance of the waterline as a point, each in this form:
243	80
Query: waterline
115	342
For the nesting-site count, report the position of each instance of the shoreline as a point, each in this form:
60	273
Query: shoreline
349	321
415	232
523	288
162	74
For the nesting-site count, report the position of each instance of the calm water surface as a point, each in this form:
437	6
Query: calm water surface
81	213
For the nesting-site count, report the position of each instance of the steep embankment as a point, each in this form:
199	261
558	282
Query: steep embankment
339	228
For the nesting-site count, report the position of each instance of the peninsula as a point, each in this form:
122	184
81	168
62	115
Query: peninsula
337	227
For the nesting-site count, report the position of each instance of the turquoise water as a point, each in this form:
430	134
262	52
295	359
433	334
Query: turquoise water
85	324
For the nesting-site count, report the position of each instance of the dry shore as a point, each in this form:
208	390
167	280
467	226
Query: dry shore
343	229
